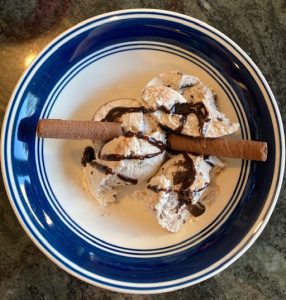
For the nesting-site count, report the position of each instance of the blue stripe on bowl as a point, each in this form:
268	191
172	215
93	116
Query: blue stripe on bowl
179	266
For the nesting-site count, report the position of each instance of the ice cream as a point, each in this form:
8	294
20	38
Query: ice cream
131	158
185	104
174	188
177	190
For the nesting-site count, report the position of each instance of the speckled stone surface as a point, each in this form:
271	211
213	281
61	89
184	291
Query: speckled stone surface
259	27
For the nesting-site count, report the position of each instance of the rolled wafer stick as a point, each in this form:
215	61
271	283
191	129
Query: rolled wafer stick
243	149
64	129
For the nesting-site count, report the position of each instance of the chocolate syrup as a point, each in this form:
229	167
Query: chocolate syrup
196	209
101	168
127	179
206	159
157	189
185	179
203	188
118	111
117	157
87	156
159	144
106	170
183	109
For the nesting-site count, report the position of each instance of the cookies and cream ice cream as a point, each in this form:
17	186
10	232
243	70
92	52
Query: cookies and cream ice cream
131	158
185	104
178	188
175	188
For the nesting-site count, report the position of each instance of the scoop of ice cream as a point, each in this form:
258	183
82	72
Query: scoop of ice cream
127	112
131	115
129	159
177	189
132	156
191	107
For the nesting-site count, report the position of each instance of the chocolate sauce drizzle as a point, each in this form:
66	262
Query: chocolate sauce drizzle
185	179
206	159
157	189
89	157
203	188
117	157
196	209
119	111
101	168
128	179
182	109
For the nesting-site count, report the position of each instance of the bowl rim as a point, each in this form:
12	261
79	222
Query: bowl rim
243	245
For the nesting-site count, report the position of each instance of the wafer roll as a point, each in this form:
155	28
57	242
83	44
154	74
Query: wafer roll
63	129
243	149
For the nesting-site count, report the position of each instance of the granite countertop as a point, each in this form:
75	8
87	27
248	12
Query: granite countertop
259	27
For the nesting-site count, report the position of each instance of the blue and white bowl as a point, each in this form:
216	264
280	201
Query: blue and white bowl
124	249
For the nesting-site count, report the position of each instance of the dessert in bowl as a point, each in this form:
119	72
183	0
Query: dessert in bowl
175	186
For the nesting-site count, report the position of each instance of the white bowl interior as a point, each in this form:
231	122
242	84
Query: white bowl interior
127	223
